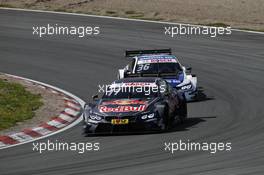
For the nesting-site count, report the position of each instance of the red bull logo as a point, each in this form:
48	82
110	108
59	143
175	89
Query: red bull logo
122	108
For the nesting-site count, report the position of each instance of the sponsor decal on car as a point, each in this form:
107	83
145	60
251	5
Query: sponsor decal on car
140	84
132	84
154	60
173	81
103	108
125	102
146	57
119	121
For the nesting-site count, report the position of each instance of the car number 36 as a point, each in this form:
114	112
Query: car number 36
143	67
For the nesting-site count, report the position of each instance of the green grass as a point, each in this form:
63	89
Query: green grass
6	5
16	104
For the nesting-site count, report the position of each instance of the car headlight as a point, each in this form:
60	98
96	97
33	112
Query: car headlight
95	117
186	87
147	116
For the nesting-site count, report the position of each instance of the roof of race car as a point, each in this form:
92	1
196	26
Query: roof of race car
160	58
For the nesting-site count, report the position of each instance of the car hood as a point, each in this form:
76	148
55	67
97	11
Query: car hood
122	107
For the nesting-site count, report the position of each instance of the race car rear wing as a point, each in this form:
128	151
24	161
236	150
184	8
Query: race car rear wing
132	53
151	75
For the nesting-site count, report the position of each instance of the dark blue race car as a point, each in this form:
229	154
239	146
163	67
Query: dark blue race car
135	104
161	63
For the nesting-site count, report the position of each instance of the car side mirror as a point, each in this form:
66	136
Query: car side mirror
95	97
188	69
128	72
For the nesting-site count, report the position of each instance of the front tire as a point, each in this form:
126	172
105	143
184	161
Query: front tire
166	119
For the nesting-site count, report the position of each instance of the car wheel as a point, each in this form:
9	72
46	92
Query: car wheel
165	119
162	125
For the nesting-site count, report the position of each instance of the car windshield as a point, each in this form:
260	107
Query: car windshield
128	92
150	68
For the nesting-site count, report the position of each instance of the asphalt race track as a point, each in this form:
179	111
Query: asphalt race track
230	71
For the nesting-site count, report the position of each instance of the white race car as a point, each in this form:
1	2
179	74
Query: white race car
161	63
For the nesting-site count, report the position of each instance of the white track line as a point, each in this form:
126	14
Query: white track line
44	131
120	18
